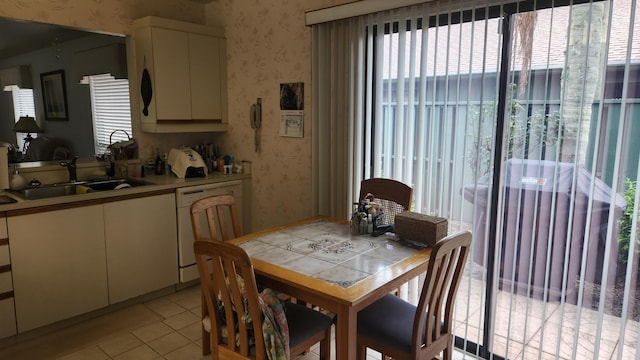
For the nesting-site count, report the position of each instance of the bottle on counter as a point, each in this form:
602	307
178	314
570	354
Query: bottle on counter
158	165
165	161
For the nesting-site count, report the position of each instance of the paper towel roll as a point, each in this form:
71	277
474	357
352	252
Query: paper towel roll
4	167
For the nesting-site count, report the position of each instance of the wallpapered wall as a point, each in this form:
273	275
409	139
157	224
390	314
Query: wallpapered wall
111	16
266	45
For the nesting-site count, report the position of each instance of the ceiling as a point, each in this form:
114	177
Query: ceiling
27	36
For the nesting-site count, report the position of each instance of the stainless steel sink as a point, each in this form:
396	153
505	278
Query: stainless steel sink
44	192
64	189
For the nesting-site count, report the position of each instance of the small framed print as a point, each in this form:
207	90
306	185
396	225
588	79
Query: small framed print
292	123
54	95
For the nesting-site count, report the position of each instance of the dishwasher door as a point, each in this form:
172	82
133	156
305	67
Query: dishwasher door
184	198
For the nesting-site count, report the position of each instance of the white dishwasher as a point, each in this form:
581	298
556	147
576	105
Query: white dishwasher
184	198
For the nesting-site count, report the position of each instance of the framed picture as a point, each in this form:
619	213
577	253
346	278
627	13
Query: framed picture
54	95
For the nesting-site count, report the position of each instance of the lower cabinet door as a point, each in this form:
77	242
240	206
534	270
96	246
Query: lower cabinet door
141	246
8	316
58	265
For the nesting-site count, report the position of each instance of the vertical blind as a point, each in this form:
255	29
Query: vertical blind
516	121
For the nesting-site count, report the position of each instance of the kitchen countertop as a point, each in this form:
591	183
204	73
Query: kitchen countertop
156	183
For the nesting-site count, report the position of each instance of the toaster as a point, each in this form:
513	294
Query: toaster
186	163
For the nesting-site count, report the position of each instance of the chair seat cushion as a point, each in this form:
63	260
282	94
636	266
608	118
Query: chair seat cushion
304	322
389	321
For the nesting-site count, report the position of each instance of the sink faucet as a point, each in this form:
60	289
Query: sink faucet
71	167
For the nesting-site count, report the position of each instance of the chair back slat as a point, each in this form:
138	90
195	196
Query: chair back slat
215	218
433	320
229	286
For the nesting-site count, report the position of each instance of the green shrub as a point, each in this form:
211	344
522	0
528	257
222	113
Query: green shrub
625	223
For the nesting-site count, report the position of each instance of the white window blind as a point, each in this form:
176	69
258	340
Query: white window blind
23	105
111	110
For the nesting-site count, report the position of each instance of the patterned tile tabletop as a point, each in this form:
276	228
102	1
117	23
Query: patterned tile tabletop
328	251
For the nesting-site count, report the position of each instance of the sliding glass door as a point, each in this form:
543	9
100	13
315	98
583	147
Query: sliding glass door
563	285
519	121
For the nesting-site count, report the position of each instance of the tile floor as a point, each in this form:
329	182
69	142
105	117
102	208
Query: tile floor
167	327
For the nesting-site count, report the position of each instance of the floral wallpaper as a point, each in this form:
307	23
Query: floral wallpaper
267	44
113	16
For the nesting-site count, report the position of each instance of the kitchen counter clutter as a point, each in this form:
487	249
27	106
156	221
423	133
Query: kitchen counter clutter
156	183
78	255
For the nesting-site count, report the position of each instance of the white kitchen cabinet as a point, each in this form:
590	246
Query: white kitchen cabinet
8	316
140	245
58	264
186	64
7	308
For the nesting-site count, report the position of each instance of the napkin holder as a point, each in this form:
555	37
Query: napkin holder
420	228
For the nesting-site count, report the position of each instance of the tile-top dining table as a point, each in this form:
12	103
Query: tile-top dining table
320	262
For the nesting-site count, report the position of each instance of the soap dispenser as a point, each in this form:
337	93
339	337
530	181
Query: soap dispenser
16	181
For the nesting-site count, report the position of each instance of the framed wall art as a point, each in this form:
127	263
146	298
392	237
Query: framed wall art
54	95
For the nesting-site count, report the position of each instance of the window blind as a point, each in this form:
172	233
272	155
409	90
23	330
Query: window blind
111	110
23	105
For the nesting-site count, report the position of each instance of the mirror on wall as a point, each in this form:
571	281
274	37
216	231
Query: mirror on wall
54	61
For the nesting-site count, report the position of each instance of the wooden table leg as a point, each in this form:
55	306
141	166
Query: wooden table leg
346	333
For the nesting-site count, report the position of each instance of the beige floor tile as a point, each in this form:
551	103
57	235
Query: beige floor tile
88	353
152	331
193	331
182	320
164	307
198	343
196	311
188	298
120	344
188	352
169	328
142	352
76	337
169	343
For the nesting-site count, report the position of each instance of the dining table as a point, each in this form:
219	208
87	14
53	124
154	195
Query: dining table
321	262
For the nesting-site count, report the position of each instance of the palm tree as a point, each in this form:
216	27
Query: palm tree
585	61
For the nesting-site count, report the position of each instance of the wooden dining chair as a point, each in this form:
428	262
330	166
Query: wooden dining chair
400	330
393	195
215	218
228	282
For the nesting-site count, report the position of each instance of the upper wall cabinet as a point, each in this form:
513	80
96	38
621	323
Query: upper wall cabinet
182	76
